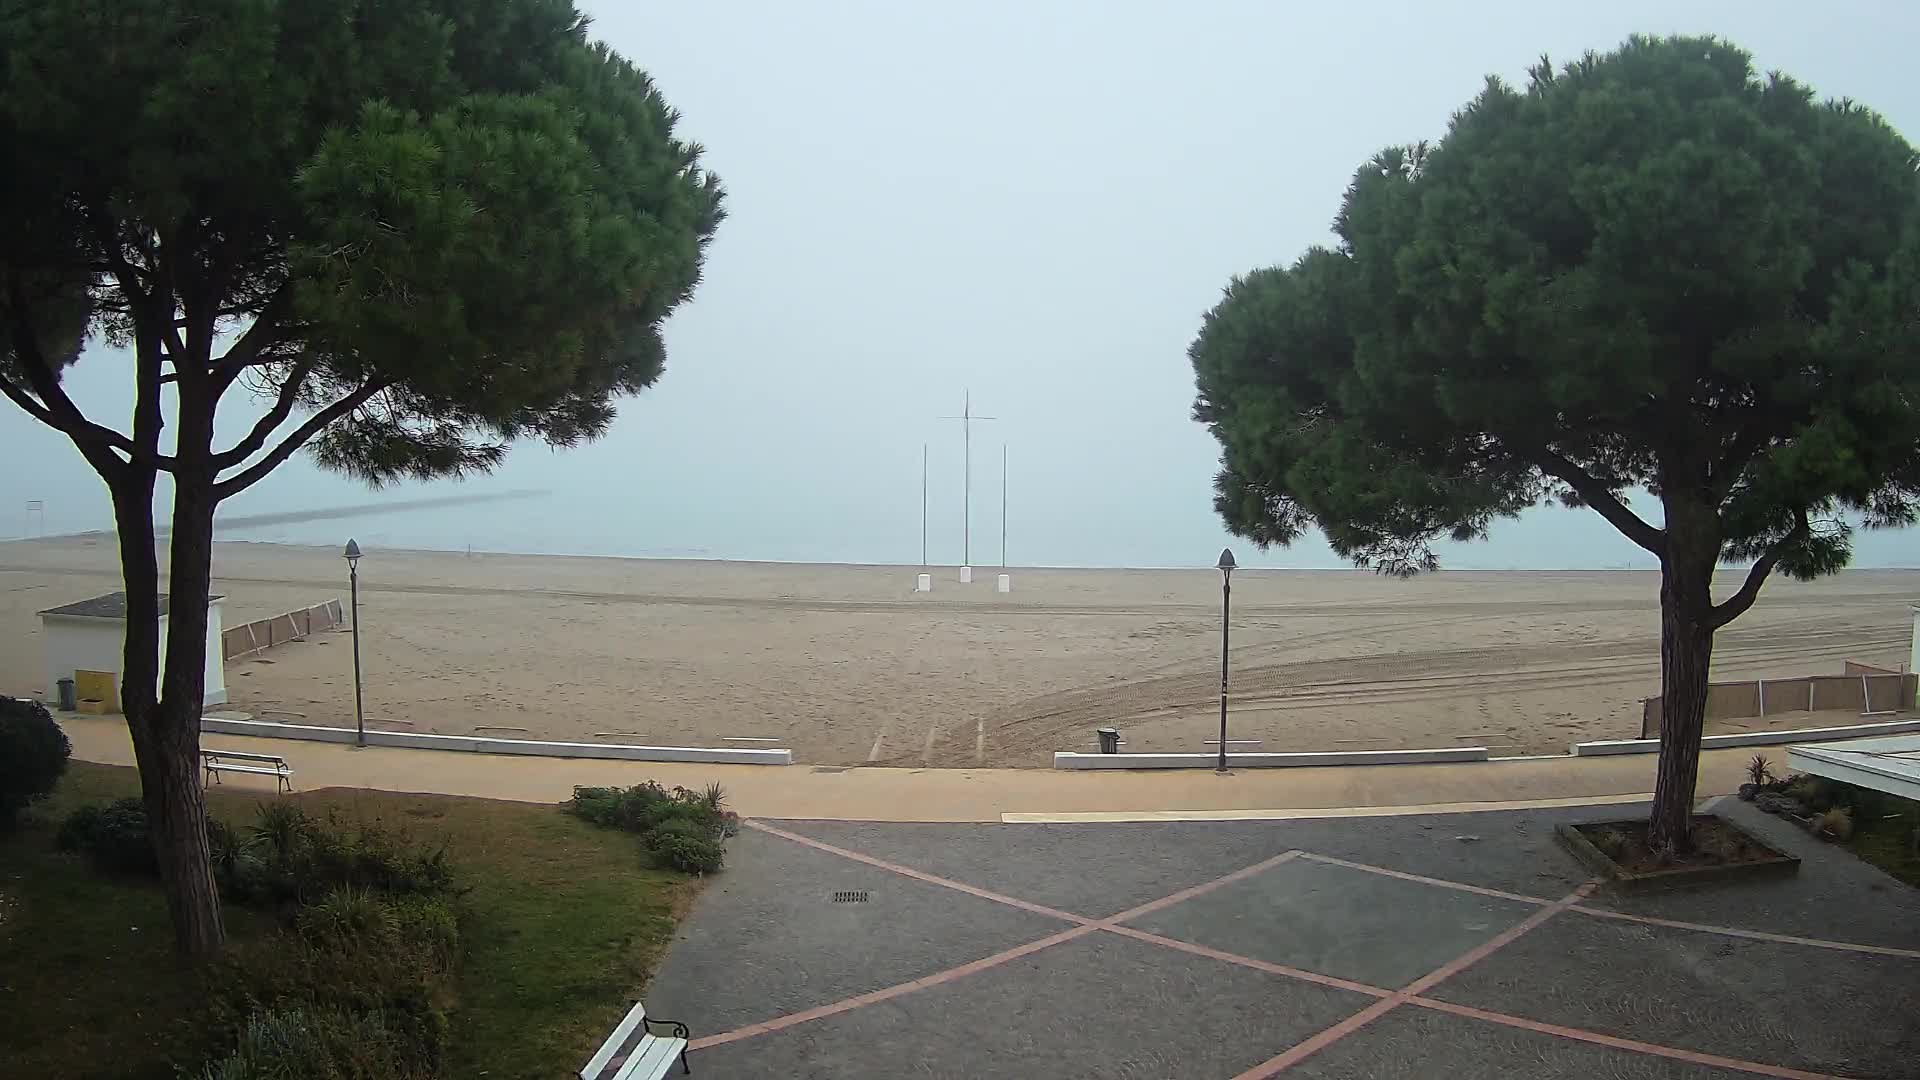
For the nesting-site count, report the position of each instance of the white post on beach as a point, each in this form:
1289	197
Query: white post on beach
967	419
1005	584
923	583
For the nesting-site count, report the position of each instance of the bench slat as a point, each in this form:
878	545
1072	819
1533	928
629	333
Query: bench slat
261	769
652	1059
218	754
598	1063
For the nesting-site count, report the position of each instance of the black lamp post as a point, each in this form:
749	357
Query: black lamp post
352	555
1226	598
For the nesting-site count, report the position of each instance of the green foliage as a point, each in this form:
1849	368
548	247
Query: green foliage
300	1044
378	965
1760	770
114	837
678	827
466	204
286	857
33	755
1648	269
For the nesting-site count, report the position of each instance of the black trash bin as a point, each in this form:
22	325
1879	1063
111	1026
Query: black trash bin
69	701
1109	740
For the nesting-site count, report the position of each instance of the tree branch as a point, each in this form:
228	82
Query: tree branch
265	331
1595	494
228	488
264	428
1736	605
55	408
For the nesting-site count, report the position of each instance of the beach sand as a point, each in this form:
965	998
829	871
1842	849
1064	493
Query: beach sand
847	665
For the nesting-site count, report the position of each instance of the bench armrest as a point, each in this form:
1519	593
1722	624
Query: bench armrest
679	1030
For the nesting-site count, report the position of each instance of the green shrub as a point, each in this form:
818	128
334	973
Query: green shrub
33	755
114	837
291	857
298	1044
681	846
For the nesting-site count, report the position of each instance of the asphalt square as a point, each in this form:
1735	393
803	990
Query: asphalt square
1353	924
771	936
1411	1043
1099	1006
1822	1010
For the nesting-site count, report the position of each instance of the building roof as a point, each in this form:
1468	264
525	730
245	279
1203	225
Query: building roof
111	606
1890	764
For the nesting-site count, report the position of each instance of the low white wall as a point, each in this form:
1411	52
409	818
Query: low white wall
480	745
1071	760
1749	738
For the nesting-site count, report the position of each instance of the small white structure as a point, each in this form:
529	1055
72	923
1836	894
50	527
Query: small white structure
966	575
91	636
923	583
1891	764
1004	584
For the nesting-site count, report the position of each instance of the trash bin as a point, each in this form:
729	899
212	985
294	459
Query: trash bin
1109	740
69	701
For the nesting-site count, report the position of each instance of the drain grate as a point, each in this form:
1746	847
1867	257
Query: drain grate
850	896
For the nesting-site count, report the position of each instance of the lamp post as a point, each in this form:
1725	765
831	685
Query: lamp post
1226	597
352	555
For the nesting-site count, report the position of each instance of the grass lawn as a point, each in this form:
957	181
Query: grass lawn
565	925
1884	836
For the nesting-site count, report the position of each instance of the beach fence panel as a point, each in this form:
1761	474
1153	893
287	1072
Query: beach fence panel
263	634
1864	690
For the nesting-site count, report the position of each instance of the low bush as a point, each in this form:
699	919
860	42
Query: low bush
286	857
33	755
113	836
299	1044
678	827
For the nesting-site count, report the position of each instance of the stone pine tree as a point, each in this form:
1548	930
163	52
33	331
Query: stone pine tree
1650	270
412	230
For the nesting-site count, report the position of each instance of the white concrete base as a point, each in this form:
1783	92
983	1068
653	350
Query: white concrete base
923	583
1072	760
966	575
477	744
1750	738
1004	583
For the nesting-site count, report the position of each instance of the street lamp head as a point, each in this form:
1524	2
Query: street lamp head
352	554
1226	562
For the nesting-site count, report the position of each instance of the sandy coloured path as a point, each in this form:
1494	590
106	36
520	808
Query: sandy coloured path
847	665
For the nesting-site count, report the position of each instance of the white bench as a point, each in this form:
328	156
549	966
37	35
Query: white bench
647	1057
219	761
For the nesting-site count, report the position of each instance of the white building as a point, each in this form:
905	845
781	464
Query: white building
91	636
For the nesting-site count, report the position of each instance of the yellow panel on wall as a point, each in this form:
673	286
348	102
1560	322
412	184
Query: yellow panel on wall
97	686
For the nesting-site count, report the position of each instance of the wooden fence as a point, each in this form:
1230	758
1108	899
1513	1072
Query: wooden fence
263	634
1864	690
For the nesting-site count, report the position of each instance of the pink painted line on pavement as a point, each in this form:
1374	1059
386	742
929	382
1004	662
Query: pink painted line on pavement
1250	962
1312	1045
1201	889
874	997
1655	1049
1756	935
921	875
1458	886
1604	913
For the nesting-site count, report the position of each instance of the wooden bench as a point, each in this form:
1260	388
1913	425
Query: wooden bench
219	761
634	1052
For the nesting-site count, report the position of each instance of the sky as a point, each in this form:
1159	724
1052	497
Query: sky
1028	203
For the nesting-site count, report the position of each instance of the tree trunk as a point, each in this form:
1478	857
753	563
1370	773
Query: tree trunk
176	804
1686	655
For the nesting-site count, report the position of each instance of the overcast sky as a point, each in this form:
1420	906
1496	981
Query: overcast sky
1036	201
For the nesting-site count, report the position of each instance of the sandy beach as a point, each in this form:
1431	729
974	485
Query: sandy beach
848	666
